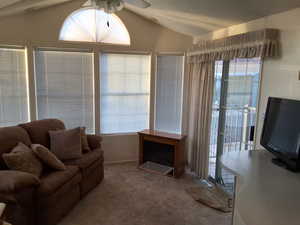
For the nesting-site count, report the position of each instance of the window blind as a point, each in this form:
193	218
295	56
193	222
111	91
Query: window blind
13	87
168	100
125	92
64	82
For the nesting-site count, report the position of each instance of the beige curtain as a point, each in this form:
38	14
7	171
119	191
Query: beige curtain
200	78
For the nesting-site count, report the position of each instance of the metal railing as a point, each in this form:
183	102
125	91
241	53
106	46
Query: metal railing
239	127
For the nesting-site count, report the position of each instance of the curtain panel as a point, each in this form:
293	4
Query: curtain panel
262	43
200	78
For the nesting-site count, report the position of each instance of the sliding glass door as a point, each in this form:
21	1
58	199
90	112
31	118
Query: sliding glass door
236	92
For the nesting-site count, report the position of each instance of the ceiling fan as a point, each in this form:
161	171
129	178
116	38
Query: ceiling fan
111	6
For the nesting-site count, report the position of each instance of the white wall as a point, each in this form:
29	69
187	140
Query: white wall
279	76
41	29
121	148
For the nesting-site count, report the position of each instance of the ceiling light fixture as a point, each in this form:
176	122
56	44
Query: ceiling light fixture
112	6
108	6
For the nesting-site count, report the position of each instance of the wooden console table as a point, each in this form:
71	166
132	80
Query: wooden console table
163	148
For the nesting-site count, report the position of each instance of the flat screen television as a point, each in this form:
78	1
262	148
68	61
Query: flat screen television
281	132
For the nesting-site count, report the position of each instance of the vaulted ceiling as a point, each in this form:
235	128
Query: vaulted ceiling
191	17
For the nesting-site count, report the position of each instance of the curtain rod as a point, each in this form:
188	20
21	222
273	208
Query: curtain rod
238	41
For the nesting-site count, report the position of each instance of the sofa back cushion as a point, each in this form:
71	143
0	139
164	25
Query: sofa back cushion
39	130
9	138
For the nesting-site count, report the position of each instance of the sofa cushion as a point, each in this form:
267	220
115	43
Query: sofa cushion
47	157
91	177
93	168
53	180
66	144
9	138
39	130
87	159
22	158
52	208
16	181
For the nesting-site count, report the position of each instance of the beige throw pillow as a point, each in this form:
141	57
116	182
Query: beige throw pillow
47	157
23	159
66	144
84	141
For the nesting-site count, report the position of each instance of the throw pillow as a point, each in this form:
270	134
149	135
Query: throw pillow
84	141
66	144
47	157
23	159
20	147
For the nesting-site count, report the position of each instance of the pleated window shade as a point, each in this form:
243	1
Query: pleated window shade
125	92
13	87
168	100
64	85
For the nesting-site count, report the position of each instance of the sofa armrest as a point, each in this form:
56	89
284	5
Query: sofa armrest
15	181
20	206
94	141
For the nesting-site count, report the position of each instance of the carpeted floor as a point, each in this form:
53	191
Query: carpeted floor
129	196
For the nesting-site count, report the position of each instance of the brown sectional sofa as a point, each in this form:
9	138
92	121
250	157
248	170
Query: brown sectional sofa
47	200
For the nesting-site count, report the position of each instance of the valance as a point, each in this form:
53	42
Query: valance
262	43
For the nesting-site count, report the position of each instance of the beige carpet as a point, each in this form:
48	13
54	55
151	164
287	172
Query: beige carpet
129	196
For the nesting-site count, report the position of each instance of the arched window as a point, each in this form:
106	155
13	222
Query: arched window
94	25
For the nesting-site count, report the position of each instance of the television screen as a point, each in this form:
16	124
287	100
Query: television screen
281	132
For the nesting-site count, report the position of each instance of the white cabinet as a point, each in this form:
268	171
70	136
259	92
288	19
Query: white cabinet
265	193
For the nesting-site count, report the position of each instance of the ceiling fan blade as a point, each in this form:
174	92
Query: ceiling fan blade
138	3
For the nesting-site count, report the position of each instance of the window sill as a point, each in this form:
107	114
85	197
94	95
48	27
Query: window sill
119	134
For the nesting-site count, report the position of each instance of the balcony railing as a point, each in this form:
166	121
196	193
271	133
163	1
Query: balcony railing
238	136
239	128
